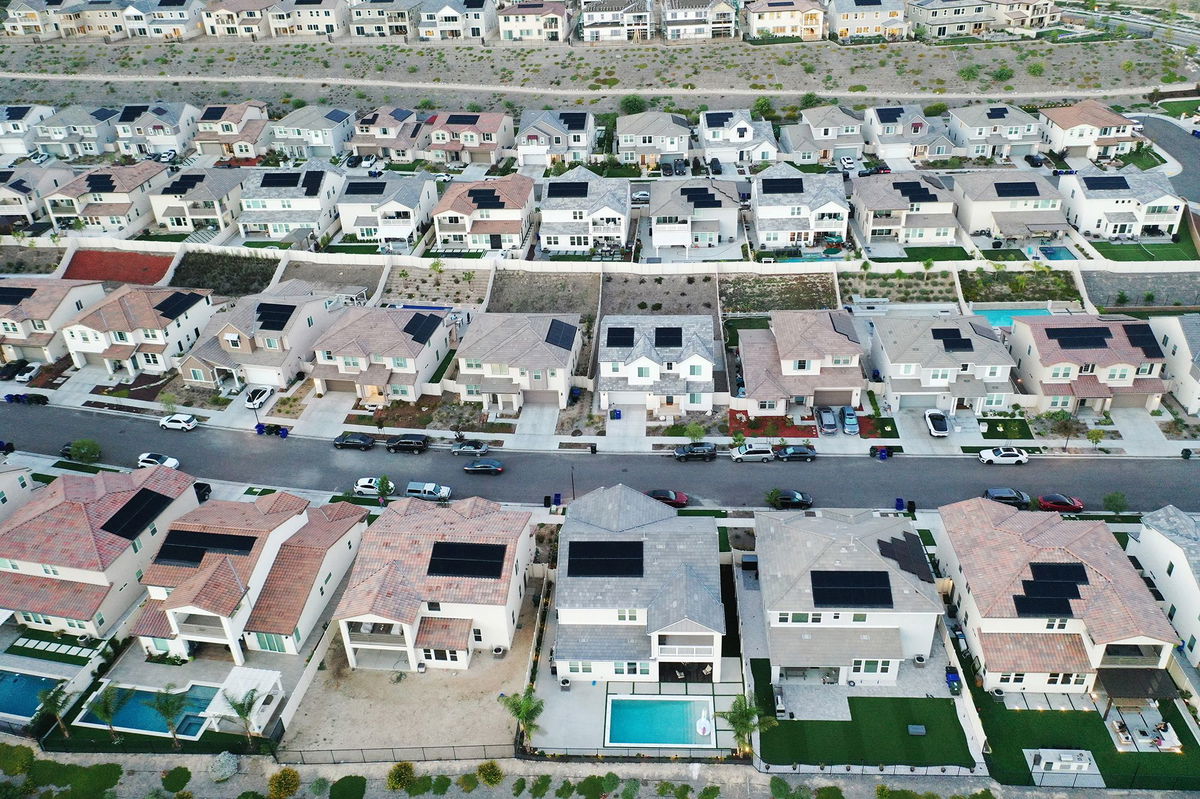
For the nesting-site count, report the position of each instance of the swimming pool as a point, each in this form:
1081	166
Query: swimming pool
19	693
1003	317
137	715
1057	254
658	721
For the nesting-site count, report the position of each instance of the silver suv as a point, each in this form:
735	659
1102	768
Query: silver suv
749	452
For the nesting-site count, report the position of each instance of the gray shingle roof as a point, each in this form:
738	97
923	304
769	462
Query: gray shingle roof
1178	527
819	189
602	193
601	642
910	340
1145	187
698	338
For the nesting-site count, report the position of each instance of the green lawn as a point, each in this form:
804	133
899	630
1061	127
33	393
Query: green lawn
80	782
267	245
88	739
81	467
1177	107
1005	255
162	237
1185	250
977	450
922	253
45	479
732	326
816	169
358	249
1144	158
927	537
1013	428
443	366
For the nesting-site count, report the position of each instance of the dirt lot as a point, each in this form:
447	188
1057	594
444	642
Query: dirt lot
925	287
29	260
777	293
425	285
335	276
550	292
1142	289
673	294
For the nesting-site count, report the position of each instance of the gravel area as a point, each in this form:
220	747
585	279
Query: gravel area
29	260
335	276
777	292
424	285
1144	289
673	294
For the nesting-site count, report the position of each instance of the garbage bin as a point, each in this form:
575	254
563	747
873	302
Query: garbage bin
260	428
615	413
883	456
1185	453
283	432
592	447
899	500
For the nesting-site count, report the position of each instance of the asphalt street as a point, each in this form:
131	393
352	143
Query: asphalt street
1184	148
834	481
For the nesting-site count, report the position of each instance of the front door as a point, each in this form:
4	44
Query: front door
495	399
495	241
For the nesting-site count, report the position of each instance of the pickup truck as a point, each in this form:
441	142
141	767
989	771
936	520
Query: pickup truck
429	491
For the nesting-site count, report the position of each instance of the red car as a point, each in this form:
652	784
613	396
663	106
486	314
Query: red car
676	499
1061	503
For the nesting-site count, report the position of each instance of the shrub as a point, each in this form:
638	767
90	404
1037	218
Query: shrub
467	783
15	760
319	786
420	786
518	787
540	786
590	787
631	790
252	795
283	783
401	776
666	788
780	788
225	274
352	787
610	782
223	766
711	792
491	773
829	792
565	790
683	791
184	795
441	784
176	779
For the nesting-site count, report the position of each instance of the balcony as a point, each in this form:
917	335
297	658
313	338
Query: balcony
1129	662
208	627
390	640
685	651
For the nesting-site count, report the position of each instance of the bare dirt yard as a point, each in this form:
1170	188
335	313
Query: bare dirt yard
550	292
335	276
16	260
744	293
669	294
425	284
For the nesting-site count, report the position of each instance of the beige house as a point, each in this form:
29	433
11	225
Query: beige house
469	138
536	21
33	312
233	131
109	199
506	360
1027	14
238	19
697	19
1088	129
804	19
485	215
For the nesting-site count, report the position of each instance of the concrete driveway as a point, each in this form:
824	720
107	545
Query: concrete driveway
325	417
1184	148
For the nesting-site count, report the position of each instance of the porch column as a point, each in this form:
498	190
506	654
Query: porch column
344	629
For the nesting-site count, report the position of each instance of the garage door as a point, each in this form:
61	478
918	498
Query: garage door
540	159
918	401
339	385
830	397
1128	401
1019	150
540	398
845	152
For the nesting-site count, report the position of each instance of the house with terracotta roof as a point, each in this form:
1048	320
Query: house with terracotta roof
382	354
508	359
433	584
238	19
803	359
1165	550
397	134
108	199
1088	129
1088	362
70	558
34	311
638	592
233	131
139	329
469	138
485	215
247	575
804	19
23	190
538	21
16	488
1049	605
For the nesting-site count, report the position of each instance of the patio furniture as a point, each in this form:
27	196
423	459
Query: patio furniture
916	729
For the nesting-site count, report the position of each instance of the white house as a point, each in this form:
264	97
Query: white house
314	131
197	199
617	21
732	137
295	203
109	199
1088	129
485	215
325	18
17	487
903	208
1179	339
652	136
638	593
859	19
1015	207
233	131
698	19
902	131
1019	15
174	20
18	126
77	130
384	19
995	131
238	19
695	214
155	128
534	21
391	208
824	135
506	360
583	212
658	364
1130	204
803	19
547	137
34	310
23	191
791	210
435	583
1166	551
456	19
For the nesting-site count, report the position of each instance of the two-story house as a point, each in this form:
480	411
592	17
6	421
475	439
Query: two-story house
381	354
485	215
109	199
948	19
456	19
295	203
384	19
1130	204
247	575
652	136
31	18
538	21
994	131
824	135
1166	552
102	20
694	214
905	208
734	137
859	19
1025	14
263	339
902	131
33	312
638	593
469	138
198	199
138	329
791	210
238	19
848	597
547	137
583	212
1083	361
71	556
662	365
18	127
156	128
802	19
1179	339
1088	129
17	487
804	359
698	19
435	583
23	191
233	131
397	134
77	130
946	363
390	208
308	18
175	20
617	21
1017	208
506	360
1048	605
314	131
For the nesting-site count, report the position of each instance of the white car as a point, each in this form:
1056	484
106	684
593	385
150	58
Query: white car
29	372
938	424
39	158
178	421
846	162
1006	455
369	162
443	177
257	397
369	487
147	459
167	157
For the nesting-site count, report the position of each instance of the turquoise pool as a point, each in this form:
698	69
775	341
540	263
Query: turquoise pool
19	693
1057	254
1003	317
137	715
658	721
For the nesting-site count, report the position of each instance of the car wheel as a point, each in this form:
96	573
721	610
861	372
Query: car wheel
365	447
808	460
711	458
679	460
766	460
162	427
737	460
390	450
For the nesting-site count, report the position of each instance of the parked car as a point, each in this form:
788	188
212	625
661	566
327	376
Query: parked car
1066	171
714	166
39	158
846	162
882	169
667	169
13	368
430	491
749	452
369	161
849	420
31	370
796	452
1008	496
640	197
1035	160
156	459
1004	455
369	487
681	166
358	440
472	446
787	499
257	397
203	491
826	420
167	157
696	451
866	173
178	421
938	424
676	499
354	161
484	466
409	442
443	177
1060	502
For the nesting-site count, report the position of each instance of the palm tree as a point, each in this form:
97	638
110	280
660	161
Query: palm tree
55	702
525	708
244	710
170	707
108	704
744	718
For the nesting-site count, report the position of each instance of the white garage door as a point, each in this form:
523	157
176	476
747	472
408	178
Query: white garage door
918	401
845	152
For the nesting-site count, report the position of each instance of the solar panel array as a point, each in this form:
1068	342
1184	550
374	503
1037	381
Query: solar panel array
997	112
718	119
421	327
851	589
136	514
170	3
573	120
700	197
273	315
1021	188
462	119
952	339
620	337
11	295
101	182
132	112
1106	182
605	559
336	115
1079	338
560	334
909	554
312	182
868	2
103	114
6	175
783	186
668	337
914	191
455	559
188	548
570	189
14	112
1140	335
178	303
1049	593
889	114
485	198
365	187
280	180
183	184
213	112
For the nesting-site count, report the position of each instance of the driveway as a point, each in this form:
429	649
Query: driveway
535	426
1184	148
325	417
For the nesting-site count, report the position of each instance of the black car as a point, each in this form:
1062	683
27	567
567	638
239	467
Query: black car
667	169
410	442
354	161
696	451
11	369
1008	496
714	166
1035	160
796	452
203	491
484	466
681	166
792	500
357	440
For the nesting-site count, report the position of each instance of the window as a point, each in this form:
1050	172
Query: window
1145	369
1056	624
137	545
627	614
153	530
1118	373
272	343
695	399
643	371
939	375
21	481
1060	402
3	498
271	642
471	363
48	569
477	634
842	360
1060	373
399	363
800	366
5	563
766	405
859	618
99	620
434	607
1170	568
1191	643
695	370
1014	678
197	375
579	667
472	390
1171	614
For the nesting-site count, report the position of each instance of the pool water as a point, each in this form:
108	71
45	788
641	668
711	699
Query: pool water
657	722
19	692
1057	254
1003	317
138	714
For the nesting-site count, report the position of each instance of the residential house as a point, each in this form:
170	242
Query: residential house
946	363
950	19
71	556
1179	339
1026	14
1165	550
250	576
263	339
238	19
314	131
16	488
651	137
390	208
583	212
138	329
802	19
396	134
994	131
198	199
538	21
485	215
18	127
848	596
791	209
902	131
824	135
23	191
1132	204
384	19
905	208
456	19
474	138
77	130
32	18
695	214
733	137
1049	605
293	204
309	18
381	354
548	137
804	359
859	19
109	199
617	21
1084	361
34	310
233	131
638	593
156	128
507	360
1011	206
1088	129
662	365
698	19
435	583
106	20
174	20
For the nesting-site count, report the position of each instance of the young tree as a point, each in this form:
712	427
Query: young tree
525	707
385	488
1095	435
744	718
1115	502
55	702
169	402
243	709
762	108
106	706
1063	424
632	104
772	497
85	450
169	705
694	431
927	265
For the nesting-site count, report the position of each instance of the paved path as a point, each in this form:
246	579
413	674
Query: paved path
1184	148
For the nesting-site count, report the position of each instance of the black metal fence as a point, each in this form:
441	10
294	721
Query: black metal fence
311	757
15	728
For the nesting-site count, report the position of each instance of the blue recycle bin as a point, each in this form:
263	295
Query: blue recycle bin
283	433
260	428
615	413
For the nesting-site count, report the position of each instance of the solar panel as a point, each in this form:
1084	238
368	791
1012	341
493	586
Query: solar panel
158	110
462	119
958	345
14	112
365	187
183	184
100	183
1059	572
889	114
1023	188
213	112
867	2
1140	335
1044	588
909	554
132	112
336	115
779	4
620	337
178	303
1079	338
273	316
11	295
561	334
455	559
136	514
6	176
783	185
997	112
604	559
188	548
280	180
103	114
573	120
1043	607
914	191
567	190
473	193
312	182
170	3
421	326
859	589
1106	182
718	119
668	337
